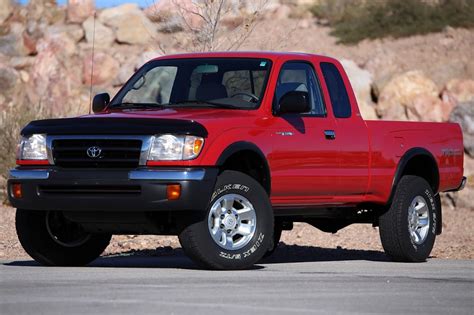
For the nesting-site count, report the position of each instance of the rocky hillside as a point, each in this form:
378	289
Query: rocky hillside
46	50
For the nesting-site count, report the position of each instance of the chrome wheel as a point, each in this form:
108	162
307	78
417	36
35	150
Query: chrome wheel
418	220
232	221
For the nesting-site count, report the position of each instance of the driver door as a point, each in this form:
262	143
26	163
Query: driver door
303	162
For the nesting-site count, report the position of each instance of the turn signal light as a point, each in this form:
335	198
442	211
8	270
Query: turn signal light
16	191
173	192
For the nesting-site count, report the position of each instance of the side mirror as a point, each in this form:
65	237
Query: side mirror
294	102
100	102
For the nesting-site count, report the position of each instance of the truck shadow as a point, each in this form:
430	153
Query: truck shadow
167	257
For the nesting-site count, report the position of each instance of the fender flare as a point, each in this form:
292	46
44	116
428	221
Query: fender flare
410	154
246	146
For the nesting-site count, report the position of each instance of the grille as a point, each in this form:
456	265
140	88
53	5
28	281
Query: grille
115	153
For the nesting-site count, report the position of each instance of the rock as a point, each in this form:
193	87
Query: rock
166	13
125	72
17	42
146	56
9	79
45	12
105	69
367	111
60	41
460	90
110	14
21	62
24	76
401	90
6	9
130	24
361	81
463	114
428	108
75	32
79	10
104	36
55	76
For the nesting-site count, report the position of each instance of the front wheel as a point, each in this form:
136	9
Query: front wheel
52	240
408	228
237	229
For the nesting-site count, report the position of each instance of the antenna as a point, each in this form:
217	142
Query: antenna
92	63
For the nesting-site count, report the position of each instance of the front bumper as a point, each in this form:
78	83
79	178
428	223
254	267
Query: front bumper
142	189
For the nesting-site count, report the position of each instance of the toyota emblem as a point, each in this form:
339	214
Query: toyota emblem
94	152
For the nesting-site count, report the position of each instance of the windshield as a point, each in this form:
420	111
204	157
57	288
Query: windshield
233	83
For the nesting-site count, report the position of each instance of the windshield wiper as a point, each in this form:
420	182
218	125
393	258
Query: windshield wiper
202	103
137	105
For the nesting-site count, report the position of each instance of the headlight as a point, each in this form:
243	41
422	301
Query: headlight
171	147
32	148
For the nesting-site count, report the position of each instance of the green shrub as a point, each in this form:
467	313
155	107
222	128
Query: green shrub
353	21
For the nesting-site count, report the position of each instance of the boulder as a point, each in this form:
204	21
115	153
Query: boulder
17	42
170	15
55	73
361	81
401	90
106	69
21	62
79	10
460	90
463	114
130	24
104	36
74	31
45	12
6	9
428	108
9	79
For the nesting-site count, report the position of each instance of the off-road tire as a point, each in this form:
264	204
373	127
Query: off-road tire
394	224
196	239
32	231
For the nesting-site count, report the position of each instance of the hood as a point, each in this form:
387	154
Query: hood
114	126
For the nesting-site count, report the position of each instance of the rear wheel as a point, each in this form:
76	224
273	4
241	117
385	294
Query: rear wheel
408	228
52	240
237	229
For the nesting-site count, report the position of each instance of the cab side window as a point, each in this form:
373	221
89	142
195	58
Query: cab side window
300	76
337	91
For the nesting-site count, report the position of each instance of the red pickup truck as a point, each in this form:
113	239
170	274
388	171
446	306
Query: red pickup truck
226	150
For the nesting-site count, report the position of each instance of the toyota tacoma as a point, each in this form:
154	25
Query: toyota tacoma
226	150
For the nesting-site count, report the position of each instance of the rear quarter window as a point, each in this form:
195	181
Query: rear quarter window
341	106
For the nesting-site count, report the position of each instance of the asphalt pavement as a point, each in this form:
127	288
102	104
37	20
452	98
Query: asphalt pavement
173	285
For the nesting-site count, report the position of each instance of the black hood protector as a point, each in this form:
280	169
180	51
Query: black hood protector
114	126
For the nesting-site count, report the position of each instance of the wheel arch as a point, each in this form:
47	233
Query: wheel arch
419	162
254	162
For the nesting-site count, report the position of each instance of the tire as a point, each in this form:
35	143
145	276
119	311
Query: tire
276	239
398	225
211	242
38	234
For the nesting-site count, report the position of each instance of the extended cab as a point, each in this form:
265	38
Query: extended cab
226	150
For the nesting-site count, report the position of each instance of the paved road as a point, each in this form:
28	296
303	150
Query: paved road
146	285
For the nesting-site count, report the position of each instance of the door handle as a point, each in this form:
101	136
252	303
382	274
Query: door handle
330	134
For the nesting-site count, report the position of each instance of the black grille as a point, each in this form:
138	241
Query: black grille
114	153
